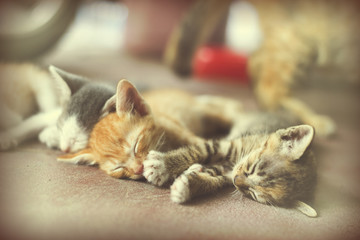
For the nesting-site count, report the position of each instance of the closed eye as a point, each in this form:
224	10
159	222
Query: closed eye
135	148
253	168
137	145
247	173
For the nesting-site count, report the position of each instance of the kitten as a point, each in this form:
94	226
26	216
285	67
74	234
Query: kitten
62	107
294	34
28	103
138	132
270	165
83	103
161	121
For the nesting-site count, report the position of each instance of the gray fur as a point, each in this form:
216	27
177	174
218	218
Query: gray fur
88	102
87	99
83	103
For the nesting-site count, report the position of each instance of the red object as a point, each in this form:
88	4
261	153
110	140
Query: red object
220	63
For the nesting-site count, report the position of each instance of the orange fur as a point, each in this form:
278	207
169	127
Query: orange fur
120	142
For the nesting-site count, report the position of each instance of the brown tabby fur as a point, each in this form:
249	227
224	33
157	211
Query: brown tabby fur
297	33
268	162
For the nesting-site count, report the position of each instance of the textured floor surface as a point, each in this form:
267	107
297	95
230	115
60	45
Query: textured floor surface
45	199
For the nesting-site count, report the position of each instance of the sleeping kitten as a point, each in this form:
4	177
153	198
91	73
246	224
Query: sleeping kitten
296	34
62	106
83	103
28	103
161	121
270	164
122	141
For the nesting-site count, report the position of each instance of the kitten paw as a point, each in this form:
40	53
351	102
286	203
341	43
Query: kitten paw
154	168
49	136
180	191
324	126
195	168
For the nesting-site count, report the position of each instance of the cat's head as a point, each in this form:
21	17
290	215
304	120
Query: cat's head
282	171
83	104
120	142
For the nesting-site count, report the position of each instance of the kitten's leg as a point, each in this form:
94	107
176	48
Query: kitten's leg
50	136
45	95
198	180
27	129
159	167
274	68
323	125
222	106
220	114
9	118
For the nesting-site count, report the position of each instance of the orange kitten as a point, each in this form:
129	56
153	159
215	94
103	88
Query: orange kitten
120	142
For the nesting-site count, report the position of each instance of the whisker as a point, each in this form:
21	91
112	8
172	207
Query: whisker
272	205
235	193
155	196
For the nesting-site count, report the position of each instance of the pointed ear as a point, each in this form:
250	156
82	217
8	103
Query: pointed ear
66	83
109	106
129	100
295	140
83	157
305	209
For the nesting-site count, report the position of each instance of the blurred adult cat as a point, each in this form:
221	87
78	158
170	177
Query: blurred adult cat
295	32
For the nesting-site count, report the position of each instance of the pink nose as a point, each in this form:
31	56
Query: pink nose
139	169
240	182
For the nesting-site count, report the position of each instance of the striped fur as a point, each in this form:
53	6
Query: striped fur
272	168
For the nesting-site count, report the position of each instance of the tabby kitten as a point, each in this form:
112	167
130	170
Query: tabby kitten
120	142
271	167
295	33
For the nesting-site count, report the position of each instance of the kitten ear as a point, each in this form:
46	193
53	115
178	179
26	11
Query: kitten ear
295	140
109	106
82	157
305	209
66	83
129	100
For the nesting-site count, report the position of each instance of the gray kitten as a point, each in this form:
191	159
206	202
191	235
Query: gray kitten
83	104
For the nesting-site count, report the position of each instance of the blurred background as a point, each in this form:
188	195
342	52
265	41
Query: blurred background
89	35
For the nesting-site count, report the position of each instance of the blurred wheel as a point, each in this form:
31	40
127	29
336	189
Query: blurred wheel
28	28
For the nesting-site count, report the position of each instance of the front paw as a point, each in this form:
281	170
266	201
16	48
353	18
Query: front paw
180	189
155	170
49	136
